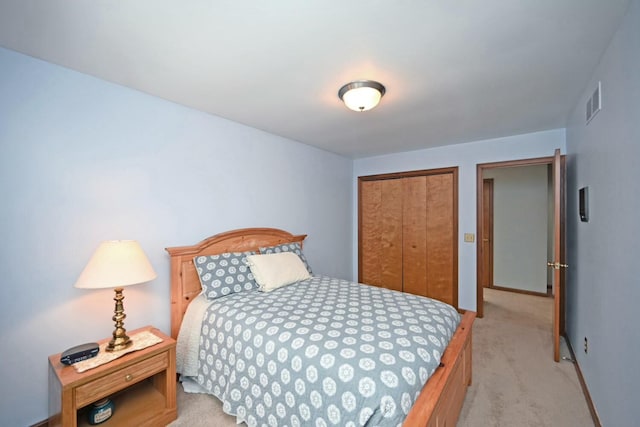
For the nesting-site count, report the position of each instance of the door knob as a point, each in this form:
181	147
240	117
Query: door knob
556	265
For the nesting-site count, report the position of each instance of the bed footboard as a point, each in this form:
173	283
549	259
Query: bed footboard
441	399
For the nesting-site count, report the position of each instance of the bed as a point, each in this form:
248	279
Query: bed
437	403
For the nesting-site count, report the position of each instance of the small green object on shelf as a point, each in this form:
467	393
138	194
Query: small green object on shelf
101	411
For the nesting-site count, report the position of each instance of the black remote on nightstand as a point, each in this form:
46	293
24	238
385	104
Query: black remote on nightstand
79	352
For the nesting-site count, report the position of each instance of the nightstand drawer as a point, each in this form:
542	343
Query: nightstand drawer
120	379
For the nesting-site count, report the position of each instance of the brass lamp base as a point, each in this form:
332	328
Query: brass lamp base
119	343
120	339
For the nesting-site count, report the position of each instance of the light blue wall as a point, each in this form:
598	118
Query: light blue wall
465	157
603	285
82	160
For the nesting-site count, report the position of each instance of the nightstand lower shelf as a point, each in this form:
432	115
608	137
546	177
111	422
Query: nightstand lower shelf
134	406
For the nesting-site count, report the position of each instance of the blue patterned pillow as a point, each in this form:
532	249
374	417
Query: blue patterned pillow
288	247
224	274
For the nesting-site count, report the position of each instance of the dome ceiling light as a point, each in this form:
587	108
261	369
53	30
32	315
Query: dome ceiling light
361	95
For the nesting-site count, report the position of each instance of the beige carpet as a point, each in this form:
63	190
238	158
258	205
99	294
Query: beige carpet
515	380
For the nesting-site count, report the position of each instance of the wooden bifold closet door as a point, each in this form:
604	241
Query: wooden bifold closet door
408	233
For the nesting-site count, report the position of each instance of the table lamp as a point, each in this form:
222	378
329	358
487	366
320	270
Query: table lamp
115	264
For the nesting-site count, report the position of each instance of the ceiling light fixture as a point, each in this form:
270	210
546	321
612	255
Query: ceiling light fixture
361	95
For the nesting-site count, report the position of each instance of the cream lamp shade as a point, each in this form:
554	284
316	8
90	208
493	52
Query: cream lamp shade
116	263
361	95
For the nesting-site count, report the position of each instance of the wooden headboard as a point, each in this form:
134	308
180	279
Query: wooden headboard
185	284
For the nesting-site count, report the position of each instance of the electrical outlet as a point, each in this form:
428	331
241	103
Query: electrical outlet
469	237
586	345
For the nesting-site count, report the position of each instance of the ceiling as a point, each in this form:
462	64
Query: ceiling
455	71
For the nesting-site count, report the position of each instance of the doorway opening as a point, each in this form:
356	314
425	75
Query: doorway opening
553	197
510	260
517	229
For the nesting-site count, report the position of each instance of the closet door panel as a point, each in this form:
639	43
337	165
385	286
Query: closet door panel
370	251
391	260
381	233
440	239
414	232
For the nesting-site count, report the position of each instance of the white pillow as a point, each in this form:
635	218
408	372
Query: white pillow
272	271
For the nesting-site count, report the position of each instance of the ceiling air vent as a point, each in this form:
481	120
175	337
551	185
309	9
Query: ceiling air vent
594	104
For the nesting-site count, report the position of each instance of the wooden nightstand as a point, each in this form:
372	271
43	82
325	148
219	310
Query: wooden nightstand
142	384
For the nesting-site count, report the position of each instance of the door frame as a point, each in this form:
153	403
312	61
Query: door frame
487	225
480	168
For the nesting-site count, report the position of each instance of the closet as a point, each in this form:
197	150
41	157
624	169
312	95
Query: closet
408	232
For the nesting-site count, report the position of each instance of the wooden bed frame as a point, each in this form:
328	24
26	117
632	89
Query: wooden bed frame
441	399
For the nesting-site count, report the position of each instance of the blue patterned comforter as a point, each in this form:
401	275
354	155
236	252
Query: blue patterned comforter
322	352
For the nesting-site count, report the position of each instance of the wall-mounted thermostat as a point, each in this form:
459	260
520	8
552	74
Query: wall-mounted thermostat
583	195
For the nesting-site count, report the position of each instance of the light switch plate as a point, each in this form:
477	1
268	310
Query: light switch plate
469	237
